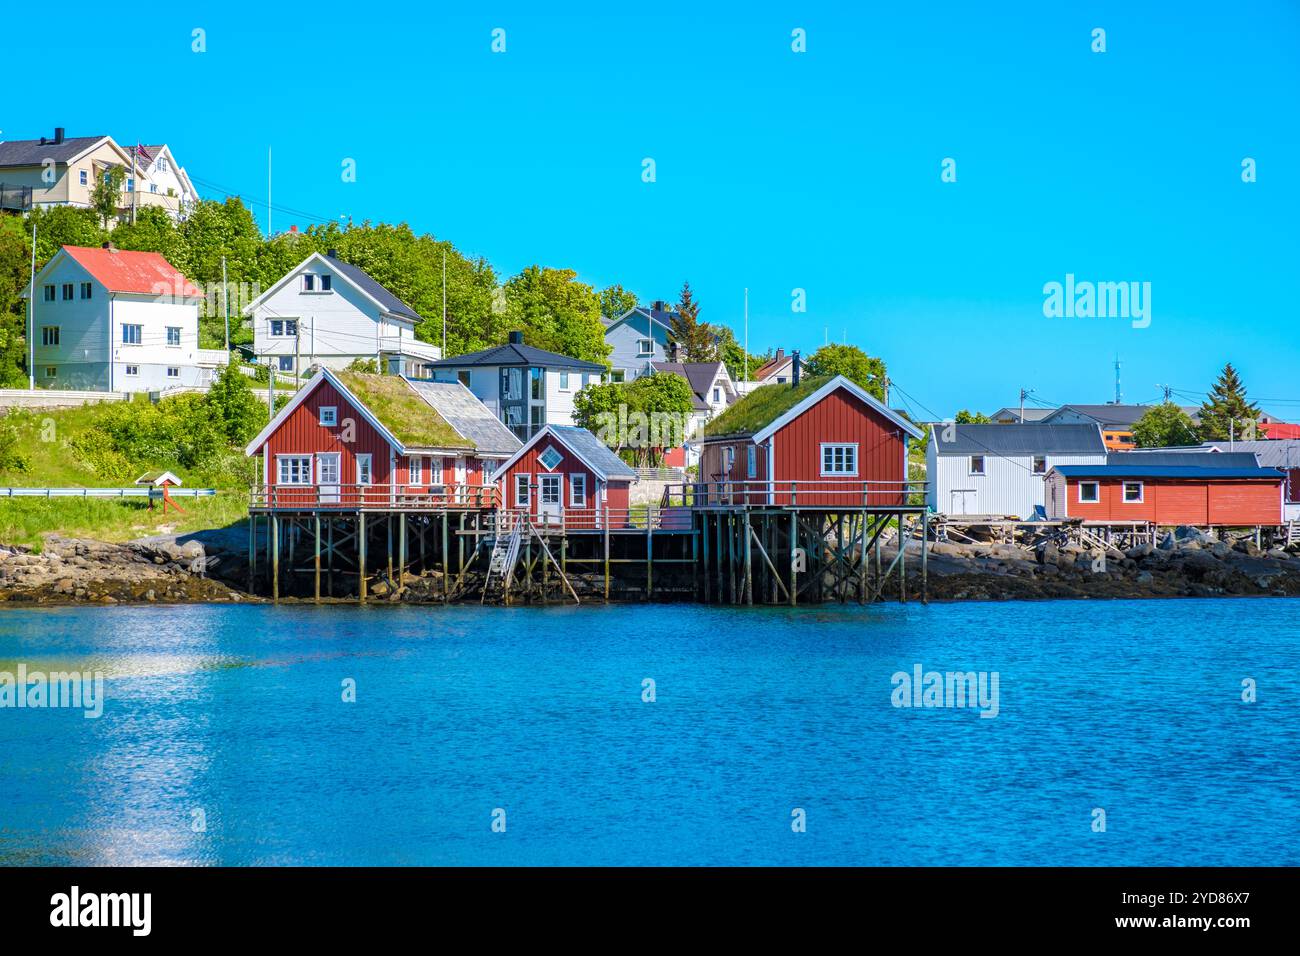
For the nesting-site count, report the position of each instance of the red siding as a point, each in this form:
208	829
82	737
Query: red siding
589	516
736	483
840	418
1172	501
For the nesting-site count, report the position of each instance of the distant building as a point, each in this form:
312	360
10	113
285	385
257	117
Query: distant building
1176	488
566	475
1283	454
56	171
1116	421
329	313
158	180
527	388
993	470
639	338
711	387
120	321
1012	416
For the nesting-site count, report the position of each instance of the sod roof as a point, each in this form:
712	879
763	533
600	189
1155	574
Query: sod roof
401	410
761	407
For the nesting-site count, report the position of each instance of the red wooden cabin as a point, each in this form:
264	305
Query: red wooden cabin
815	443
350	440
566	475
1227	489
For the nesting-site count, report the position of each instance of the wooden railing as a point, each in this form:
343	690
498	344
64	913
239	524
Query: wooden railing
376	497
809	493
635	518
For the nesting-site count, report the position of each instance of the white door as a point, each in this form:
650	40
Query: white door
327	477
550	508
461	479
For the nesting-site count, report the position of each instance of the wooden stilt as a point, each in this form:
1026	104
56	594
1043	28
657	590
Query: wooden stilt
401	551
316	562
749	563
361	555
252	552
275	558
649	559
708	571
446	562
794	544
925	551
606	554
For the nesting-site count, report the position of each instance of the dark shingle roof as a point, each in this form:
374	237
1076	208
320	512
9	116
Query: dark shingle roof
595	451
465	413
1113	416
515	354
32	152
374	289
1173	465
699	375
1019	440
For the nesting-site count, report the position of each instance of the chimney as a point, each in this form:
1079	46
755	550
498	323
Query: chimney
516	338
673	351
294	229
110	247
659	305
332	253
58	135
794	377
780	354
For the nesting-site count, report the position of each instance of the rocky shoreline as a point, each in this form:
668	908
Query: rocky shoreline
212	569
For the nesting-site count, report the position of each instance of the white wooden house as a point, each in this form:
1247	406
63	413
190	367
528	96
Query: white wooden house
998	470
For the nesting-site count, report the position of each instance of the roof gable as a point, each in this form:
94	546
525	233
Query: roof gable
128	271
372	290
585	446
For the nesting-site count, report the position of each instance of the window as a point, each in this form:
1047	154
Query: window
132	334
86	288
550	458
617	375
645	347
327	468
521	491
67	292
751	461
537	377
364	475
284	328
173	335
415	470
293	470
564	381
1040	465
577	491
161	165
133	370
463	376
173	371
839	459
325	282
130	184
49	293
51	371
717	395
729	459
535	416
329	416
49	335
153	187
286	363
83	177
512	384
1089	491
308	282
1132	492
977	464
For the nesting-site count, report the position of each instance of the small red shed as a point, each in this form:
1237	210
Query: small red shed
1227	489
350	440
566	475
816	443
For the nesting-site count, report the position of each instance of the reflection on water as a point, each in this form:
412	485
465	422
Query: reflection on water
226	737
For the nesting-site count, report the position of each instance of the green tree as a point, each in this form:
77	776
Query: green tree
15	259
153	231
1164	425
106	196
851	362
1226	412
557	313
239	413
732	354
965	417
694	341
593	407
60	226
616	301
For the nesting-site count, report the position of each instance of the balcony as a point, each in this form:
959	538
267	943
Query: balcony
15	198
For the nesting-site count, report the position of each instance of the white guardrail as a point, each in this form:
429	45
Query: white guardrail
141	492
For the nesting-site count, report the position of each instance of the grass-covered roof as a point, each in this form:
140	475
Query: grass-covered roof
411	419
761	407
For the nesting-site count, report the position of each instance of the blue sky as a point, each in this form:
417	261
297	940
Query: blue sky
775	170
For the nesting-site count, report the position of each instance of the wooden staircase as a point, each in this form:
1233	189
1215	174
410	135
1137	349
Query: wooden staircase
504	556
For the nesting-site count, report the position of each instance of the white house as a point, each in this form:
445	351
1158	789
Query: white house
156	179
526	387
113	320
639	338
329	313
999	470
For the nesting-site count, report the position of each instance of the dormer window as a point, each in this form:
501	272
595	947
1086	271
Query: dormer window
308	282
315	282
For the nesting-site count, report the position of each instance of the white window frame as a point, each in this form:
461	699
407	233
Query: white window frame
1033	464
328	416
284	332
545	452
87	289
309	282
641	350
365	470
51	371
132	371
415	469
1096	498
139	333
523	492
285	363
577	490
49	340
842	472
177	329
728	459
970	465
83	177
717	395
287	474
564	381
751	461
173	371
326	285
1141	489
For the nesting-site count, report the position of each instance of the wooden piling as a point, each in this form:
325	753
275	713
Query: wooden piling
361	555
749	565
275	558
316	562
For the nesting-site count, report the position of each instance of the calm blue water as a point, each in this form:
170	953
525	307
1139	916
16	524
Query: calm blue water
1133	707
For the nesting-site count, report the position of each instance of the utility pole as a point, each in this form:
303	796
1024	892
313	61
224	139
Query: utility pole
444	303
225	305
297	338
31	322
1168	390
270	385
135	150
268	192
746	346
1119	393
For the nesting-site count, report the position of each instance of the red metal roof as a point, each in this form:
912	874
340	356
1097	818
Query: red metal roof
1277	430
143	273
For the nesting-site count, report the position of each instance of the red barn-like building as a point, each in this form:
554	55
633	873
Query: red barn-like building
566	475
1227	489
352	440
814	443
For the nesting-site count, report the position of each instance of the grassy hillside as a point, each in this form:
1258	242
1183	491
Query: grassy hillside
112	444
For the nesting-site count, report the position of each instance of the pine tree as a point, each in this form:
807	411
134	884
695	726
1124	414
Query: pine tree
1226	412
694	340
